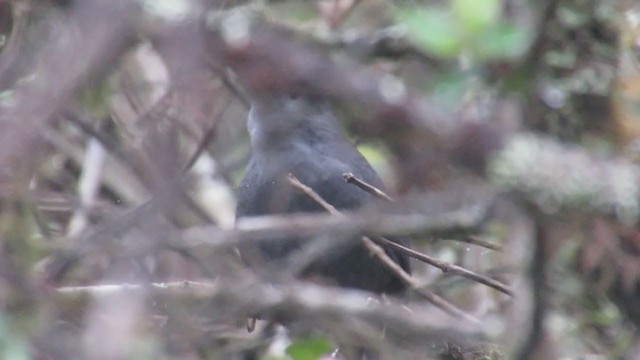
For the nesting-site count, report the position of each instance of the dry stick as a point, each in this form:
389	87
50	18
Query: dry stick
230	83
351	179
444	266
476	240
242	292
345	15
448	267
206	139
377	251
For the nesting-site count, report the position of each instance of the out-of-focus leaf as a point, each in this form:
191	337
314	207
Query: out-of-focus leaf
376	157
94	96
434	30
561	59
503	40
449	87
572	17
309	349
476	15
12	346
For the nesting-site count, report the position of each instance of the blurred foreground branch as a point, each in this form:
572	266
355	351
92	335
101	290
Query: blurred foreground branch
288	301
91	35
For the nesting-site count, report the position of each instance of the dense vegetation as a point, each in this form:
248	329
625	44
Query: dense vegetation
508	133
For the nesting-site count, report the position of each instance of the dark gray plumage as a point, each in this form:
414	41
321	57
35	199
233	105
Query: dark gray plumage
301	136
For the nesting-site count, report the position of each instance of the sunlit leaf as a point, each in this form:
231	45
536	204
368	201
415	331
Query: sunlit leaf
309	349
503	40
434	30
12	345
449	87
476	15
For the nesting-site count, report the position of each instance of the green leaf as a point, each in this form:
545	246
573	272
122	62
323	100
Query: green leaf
95	95
434	30
504	40
449	87
376	156
12	344
476	15
309	349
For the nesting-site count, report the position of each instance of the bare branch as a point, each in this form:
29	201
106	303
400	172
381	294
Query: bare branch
378	252
448	267
351	179
444	266
94	33
415	322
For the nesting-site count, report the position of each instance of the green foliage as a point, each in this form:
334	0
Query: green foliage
309	349
377	156
501	40
476	15
449	87
12	345
473	27
94	96
433	30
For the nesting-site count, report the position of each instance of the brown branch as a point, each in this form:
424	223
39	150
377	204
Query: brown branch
244	293
93	34
312	194
206	139
105	236
530	64
476	240
534	342
351	179
448	267
263	227
231	84
444	266
378	252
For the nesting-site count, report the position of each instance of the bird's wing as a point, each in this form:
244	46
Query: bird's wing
322	171
265	190
324	176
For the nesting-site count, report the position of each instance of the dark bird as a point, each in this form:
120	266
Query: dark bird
300	135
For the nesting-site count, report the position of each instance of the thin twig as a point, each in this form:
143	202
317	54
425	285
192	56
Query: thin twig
310	299
345	15
379	252
531	61
476	240
448	267
84	122
444	266
313	195
537	273
231	84
208	136
351	179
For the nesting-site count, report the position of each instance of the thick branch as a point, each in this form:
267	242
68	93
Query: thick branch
296	299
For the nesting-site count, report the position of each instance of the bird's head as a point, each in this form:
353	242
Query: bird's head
275	116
